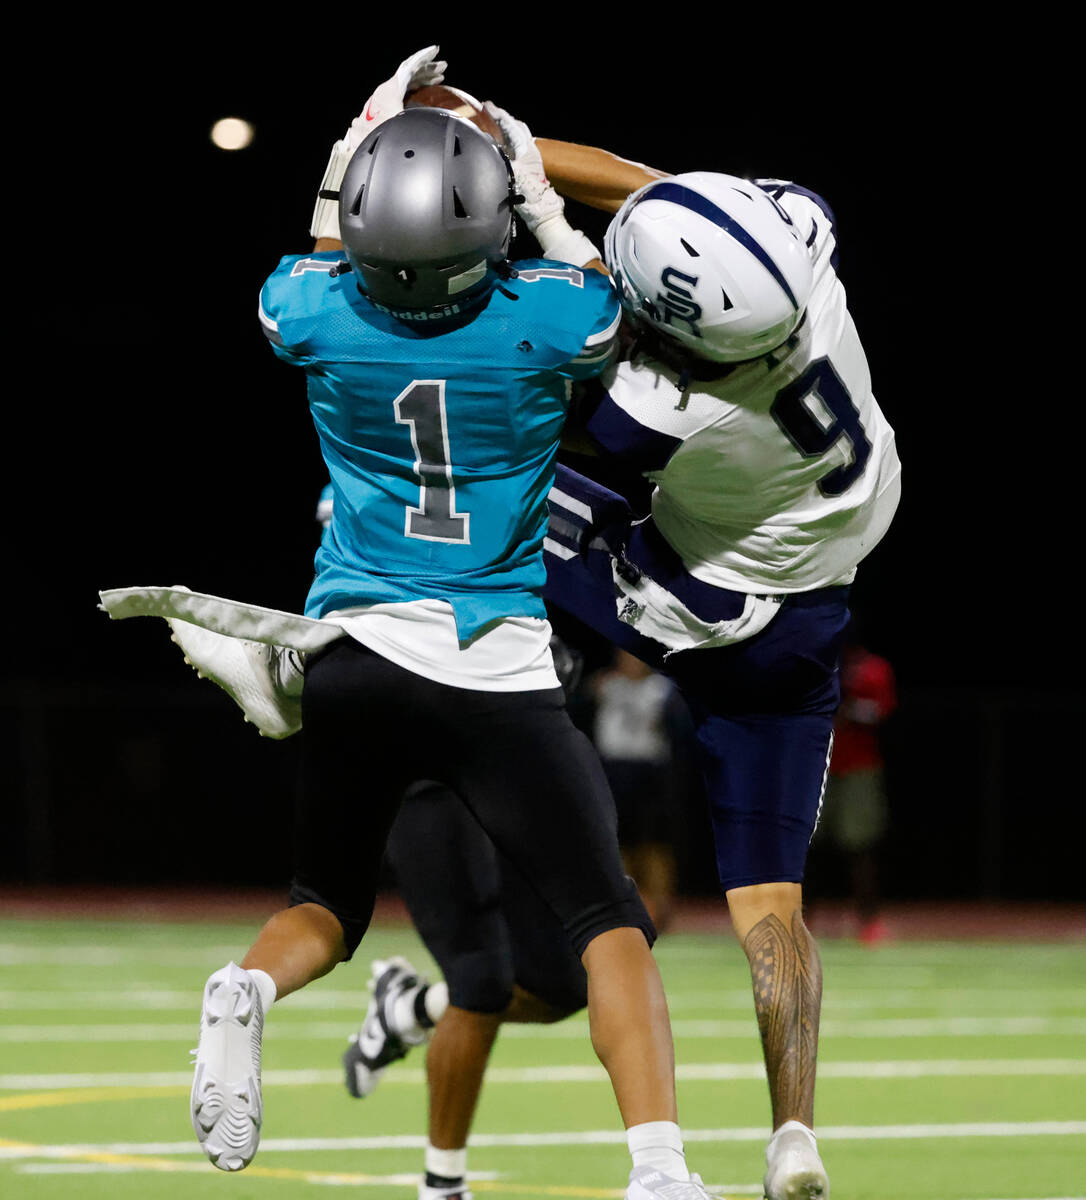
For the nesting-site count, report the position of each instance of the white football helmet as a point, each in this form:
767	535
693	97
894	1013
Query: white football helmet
711	262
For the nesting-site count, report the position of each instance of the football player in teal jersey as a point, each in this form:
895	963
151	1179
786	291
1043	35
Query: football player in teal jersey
503	956
439	377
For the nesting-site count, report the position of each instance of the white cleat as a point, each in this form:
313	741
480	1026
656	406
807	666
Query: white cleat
264	681
226	1104
795	1168
647	1183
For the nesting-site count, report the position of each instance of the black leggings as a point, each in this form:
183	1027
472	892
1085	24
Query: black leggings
485	927
531	779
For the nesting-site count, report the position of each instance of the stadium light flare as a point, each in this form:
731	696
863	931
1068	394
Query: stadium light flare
232	133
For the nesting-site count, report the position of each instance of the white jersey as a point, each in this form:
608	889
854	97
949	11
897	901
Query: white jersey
780	475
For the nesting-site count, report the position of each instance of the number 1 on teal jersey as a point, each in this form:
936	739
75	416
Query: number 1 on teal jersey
421	405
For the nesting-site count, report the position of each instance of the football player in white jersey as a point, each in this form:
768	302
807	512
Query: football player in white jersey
745	404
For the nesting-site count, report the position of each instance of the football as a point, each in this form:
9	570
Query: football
456	101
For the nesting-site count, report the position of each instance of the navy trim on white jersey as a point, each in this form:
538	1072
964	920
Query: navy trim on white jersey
687	198
620	434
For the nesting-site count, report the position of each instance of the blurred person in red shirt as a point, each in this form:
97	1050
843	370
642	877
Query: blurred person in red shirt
856	810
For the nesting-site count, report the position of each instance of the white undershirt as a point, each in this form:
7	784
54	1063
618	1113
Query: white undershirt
513	655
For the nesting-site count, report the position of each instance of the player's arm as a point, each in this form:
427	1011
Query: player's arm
593	176
588	395
420	70
583	453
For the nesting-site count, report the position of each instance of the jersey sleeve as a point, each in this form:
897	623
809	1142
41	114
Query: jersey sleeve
289	299
600	347
587	308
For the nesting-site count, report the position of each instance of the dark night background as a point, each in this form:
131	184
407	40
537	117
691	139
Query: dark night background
160	442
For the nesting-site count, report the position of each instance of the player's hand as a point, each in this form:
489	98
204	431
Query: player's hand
541	208
420	70
541	201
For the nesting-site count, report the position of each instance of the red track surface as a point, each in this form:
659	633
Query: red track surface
950	920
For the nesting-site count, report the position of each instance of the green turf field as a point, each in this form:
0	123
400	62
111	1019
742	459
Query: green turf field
948	1072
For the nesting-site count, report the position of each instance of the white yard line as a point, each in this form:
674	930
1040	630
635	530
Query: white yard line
345	1180
577	1073
13	954
93	1168
341	1179
208	958
134	997
577	1029
596	1137
888	1027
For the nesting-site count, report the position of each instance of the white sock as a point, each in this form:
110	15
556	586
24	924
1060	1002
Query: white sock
404	1019
658	1144
265	985
449	1164
436	1001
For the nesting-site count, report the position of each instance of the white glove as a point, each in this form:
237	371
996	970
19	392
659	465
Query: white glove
420	70
542	209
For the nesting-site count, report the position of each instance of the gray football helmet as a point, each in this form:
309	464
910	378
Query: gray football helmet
426	211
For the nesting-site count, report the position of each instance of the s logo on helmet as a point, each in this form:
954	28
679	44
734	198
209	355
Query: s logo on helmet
678	303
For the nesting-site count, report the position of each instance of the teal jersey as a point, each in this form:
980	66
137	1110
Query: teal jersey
439	435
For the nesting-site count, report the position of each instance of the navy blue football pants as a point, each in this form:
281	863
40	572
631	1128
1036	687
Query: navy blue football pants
762	708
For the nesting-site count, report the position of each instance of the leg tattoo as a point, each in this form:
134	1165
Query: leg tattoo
787	976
